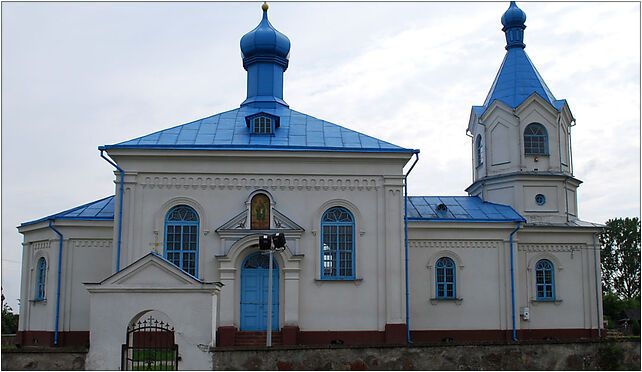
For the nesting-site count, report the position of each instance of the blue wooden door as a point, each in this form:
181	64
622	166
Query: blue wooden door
254	293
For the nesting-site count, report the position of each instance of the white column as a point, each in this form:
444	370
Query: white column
214	317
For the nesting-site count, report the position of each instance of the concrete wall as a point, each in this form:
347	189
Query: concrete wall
526	356
604	355
43	359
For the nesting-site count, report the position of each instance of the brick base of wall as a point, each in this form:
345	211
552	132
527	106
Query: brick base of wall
47	338
396	334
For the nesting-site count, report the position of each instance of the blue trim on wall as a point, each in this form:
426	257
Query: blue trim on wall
338	276
120	207
182	249
512	281
58	289
41	281
451	267
405	225
257	148
543	284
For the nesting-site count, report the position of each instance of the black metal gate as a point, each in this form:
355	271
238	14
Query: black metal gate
149	346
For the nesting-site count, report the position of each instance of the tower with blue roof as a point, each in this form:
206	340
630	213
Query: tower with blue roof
521	137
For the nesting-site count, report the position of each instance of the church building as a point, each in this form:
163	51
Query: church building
364	263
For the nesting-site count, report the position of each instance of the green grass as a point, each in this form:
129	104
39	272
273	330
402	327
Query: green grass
153	360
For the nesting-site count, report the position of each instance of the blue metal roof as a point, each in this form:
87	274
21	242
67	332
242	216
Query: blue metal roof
102	209
228	131
459	209
516	80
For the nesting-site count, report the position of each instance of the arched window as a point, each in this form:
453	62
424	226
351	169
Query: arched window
535	140
260	212
337	244
478	149
544	280
41	279
181	238
445	278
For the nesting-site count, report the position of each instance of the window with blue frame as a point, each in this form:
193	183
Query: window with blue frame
262	123
445	278
544	280
478	148
337	244
181	238
41	279
535	140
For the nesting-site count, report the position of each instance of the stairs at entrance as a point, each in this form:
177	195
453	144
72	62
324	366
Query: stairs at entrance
248	338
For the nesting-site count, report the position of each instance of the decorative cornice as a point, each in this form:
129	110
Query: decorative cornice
97	243
273	183
549	247
453	244
40	245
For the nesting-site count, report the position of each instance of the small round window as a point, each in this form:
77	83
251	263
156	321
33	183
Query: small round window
540	199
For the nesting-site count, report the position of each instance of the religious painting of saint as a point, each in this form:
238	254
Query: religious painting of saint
260	209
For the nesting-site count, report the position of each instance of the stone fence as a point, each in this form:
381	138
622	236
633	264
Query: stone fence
533	355
44	359
621	354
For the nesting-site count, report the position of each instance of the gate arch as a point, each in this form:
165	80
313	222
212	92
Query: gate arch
150	344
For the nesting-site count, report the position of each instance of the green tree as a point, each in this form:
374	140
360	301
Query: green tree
620	257
9	319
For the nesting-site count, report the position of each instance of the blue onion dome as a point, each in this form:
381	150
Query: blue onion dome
513	17
265	41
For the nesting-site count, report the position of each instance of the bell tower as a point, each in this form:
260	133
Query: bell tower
521	138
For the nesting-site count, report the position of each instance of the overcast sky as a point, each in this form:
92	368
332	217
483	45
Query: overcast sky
79	75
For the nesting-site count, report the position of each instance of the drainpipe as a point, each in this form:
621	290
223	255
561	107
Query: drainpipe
472	153
120	208
59	274
570	145
559	137
512	281
405	221
597	286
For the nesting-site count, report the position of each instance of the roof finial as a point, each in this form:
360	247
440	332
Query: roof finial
265	6
513	21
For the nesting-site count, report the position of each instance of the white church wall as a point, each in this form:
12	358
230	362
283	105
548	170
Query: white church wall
479	252
86	255
572	254
88	261
302	188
